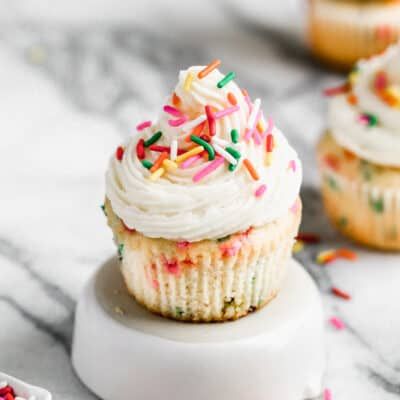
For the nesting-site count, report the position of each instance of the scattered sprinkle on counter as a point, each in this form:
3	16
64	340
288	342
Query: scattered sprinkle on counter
337	323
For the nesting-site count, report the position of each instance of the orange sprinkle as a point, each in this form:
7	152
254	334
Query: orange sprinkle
332	161
176	100
349	155
199	129
245	92
210	67
352	99
252	171
260	126
232	99
347	254
157	164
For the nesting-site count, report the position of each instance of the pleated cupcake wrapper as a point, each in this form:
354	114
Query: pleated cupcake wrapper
344	42
364	211
217	288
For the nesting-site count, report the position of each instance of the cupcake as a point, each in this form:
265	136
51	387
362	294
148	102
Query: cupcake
344	31
359	155
203	202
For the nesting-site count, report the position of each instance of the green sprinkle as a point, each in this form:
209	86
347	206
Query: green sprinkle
232	167
210	150
377	205
233	152
223	239
367	170
121	251
179	311
342	222
153	139
225	80
332	183
103	207
372	120
234	135
147	164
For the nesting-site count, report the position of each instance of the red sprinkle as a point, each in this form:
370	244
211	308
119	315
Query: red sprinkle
211	120
340	293
333	91
140	149
310	238
119	154
8	396
269	144
5	390
160	149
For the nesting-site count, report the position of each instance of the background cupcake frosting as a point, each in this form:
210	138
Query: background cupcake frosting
376	90
176	208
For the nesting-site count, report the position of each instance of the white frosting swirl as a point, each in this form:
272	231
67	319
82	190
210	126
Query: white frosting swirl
381	143
174	207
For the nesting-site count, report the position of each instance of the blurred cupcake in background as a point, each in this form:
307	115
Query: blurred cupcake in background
344	31
359	155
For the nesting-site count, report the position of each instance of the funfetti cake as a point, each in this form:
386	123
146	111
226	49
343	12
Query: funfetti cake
203	202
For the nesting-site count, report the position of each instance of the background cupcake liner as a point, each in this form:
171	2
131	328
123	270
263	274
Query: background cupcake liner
365	212
208	280
339	36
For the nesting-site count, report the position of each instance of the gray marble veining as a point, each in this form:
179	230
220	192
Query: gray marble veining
70	92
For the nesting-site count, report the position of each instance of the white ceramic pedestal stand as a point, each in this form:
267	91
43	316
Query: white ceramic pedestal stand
122	352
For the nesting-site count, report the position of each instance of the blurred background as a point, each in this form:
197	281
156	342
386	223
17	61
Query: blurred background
75	78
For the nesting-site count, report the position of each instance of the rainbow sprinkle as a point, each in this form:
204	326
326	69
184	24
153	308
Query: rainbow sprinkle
143	125
209	149
260	190
211	167
209	68
188	82
172	111
226	79
337	323
226	111
153	139
234	136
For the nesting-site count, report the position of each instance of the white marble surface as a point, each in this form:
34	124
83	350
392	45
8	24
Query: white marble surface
75	77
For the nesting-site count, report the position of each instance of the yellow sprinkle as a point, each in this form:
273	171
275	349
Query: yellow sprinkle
157	174
325	256
268	159
188	154
170	165
188	81
298	246
353	76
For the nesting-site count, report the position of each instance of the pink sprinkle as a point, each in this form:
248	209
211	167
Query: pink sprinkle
172	111
190	161
257	138
327	394
363	119
270	125
155	284
226	111
178	122
231	249
292	165
143	125
249	134
260	190
248	101
212	166
183	244
337	323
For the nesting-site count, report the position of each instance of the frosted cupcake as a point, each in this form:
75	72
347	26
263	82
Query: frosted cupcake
360	154
203	203
344	31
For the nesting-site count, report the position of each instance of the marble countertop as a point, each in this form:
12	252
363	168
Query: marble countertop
75	77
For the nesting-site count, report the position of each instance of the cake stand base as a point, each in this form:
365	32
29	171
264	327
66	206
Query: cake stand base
122	351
